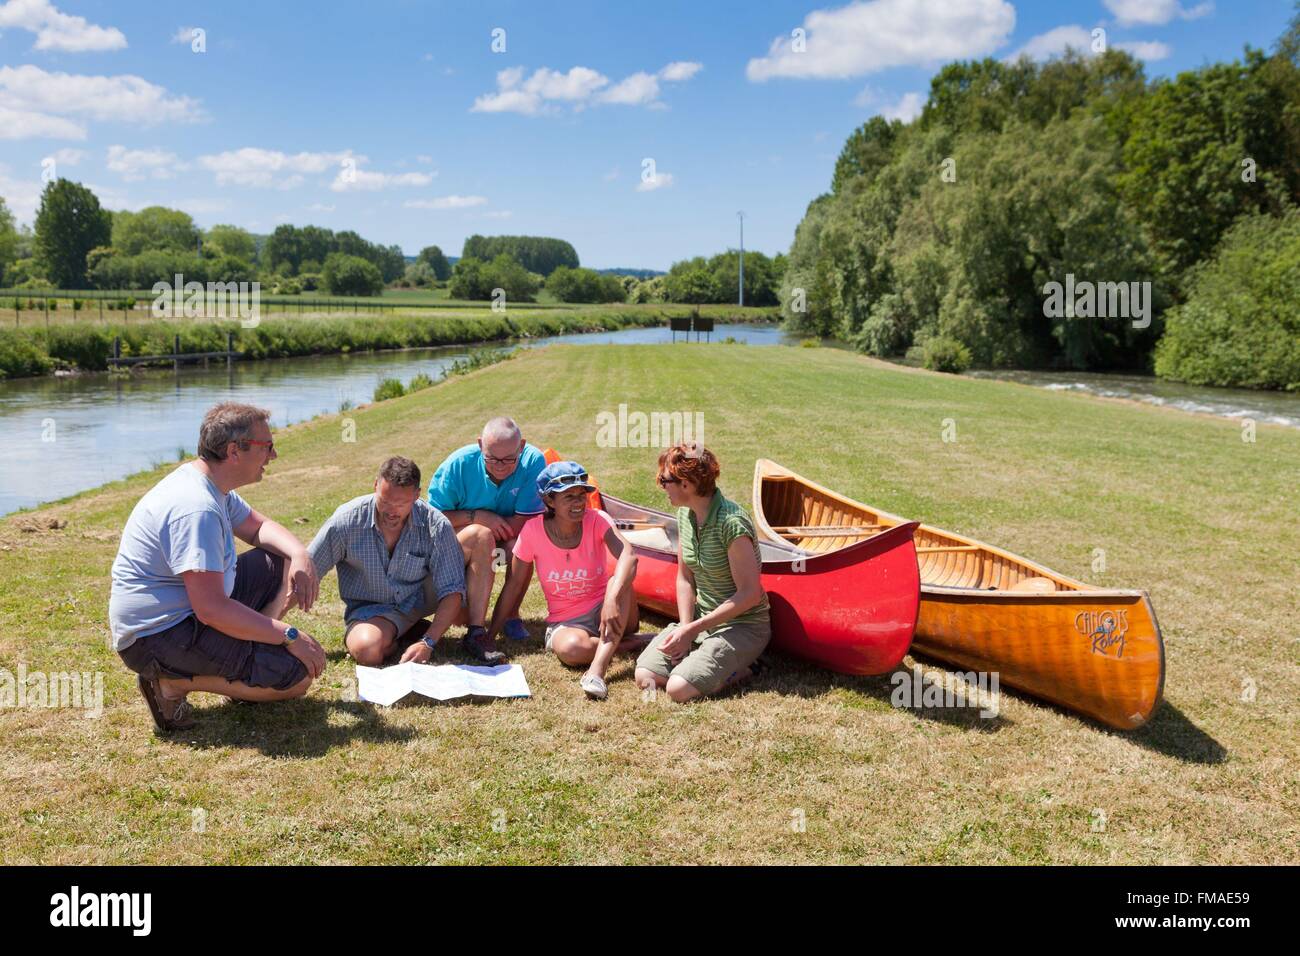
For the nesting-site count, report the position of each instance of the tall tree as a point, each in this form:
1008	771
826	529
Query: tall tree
69	223
8	239
437	262
156	227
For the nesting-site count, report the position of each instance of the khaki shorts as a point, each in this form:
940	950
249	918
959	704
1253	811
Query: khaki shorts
403	622
718	654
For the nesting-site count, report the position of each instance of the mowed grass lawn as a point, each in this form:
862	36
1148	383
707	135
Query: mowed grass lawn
1179	503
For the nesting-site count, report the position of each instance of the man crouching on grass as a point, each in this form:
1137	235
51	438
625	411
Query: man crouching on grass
185	613
398	561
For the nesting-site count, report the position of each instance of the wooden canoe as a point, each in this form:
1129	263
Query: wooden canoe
1097	651
853	611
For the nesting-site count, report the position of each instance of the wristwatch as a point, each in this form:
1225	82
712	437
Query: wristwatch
290	635
428	642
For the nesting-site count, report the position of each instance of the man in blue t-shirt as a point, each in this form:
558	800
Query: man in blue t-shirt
488	490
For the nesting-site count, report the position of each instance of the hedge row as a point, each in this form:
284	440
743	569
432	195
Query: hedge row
87	347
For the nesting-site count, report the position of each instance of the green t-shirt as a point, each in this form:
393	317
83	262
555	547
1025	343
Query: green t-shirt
704	549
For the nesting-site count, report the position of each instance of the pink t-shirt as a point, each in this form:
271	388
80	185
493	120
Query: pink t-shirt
573	579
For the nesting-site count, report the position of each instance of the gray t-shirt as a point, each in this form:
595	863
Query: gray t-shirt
184	523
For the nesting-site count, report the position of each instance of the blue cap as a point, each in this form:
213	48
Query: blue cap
560	475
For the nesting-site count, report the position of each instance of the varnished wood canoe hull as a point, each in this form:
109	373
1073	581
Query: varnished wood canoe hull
1095	651
853	611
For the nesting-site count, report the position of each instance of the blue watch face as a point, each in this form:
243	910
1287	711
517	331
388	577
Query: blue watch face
291	633
428	642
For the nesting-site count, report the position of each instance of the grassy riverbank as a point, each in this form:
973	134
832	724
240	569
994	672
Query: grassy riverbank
1181	505
87	344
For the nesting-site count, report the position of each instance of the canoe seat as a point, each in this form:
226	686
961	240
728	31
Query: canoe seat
1033	586
656	538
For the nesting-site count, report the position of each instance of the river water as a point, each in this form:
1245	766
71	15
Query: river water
59	436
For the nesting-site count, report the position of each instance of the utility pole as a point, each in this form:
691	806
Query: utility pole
741	215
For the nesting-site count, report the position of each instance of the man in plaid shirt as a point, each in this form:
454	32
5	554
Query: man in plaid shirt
398	561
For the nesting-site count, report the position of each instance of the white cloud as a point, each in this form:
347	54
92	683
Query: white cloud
1146	49
540	92
875	35
184	35
1154	12
28	124
66	157
56	30
321	207
635	90
498	214
680	72
265	168
906	109
136	164
366	181
1053	43
446	202
36	103
658	181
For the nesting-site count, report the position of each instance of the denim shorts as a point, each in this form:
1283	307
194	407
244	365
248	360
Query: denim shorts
190	648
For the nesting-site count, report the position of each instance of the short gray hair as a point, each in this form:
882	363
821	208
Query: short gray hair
501	429
227	422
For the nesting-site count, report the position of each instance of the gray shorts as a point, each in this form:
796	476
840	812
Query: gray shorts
717	654
427	605
589	622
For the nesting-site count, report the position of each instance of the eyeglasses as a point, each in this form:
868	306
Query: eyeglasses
499	461
270	445
665	482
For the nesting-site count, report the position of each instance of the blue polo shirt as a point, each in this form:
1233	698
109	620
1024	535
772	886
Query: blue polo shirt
462	483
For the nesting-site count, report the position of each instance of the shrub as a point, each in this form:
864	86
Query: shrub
945	354
1239	326
389	388
418	383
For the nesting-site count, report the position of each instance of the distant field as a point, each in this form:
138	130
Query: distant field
803	766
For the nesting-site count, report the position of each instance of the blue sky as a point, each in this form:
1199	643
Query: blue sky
398	119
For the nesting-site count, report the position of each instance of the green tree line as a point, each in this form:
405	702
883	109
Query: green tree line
943	235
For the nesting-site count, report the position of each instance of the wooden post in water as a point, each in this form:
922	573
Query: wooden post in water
230	350
176	354
117	348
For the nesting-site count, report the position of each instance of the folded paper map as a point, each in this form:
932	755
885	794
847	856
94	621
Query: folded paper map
387	685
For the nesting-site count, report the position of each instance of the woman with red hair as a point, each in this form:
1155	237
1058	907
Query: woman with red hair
723	622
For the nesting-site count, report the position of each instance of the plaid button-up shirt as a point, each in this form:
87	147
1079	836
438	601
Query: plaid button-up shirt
371	581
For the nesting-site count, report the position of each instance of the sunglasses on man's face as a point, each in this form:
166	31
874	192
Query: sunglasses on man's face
270	445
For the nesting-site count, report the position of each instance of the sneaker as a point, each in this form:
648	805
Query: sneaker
480	649
168	714
515	630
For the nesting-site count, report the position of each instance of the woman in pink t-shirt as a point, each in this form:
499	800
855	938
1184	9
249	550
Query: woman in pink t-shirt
590	614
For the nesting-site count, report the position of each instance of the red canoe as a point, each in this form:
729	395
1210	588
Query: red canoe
851	610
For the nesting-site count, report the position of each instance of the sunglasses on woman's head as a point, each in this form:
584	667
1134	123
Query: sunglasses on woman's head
565	481
665	482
